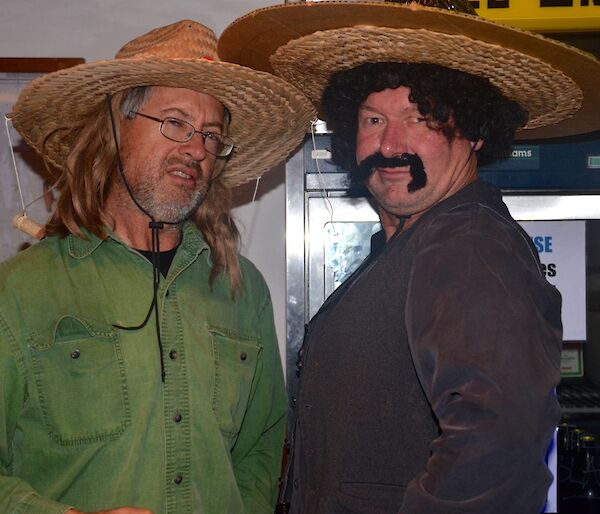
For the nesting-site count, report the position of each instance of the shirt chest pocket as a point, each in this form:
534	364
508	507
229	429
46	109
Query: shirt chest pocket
236	360
80	381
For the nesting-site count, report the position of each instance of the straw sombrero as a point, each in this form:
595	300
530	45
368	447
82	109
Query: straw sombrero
306	42
269	117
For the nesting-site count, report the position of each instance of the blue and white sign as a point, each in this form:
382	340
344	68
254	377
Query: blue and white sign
561	247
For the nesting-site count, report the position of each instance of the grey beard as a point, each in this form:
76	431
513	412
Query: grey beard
161	210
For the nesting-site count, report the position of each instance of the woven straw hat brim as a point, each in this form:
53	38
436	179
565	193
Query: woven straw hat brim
306	43
269	117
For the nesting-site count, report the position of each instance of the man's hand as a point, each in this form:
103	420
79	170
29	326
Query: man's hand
120	510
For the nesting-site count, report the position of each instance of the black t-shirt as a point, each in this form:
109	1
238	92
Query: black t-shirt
164	259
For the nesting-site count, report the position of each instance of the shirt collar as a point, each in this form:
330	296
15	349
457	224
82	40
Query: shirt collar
193	239
79	248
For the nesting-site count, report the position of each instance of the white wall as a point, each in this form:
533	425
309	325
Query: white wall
96	29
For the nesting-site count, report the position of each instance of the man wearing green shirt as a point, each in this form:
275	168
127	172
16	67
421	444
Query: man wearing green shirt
139	369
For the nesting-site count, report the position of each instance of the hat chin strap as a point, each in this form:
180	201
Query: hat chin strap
153	223
155	227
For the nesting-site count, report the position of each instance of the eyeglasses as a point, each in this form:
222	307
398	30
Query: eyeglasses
182	132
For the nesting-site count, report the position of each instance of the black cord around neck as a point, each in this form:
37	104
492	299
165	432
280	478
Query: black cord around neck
155	227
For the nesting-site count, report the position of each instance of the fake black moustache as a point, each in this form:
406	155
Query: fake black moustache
377	160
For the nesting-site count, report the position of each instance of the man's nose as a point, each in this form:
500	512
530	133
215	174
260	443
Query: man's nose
393	139
195	147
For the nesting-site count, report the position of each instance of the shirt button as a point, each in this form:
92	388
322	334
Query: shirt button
243	356
177	418
173	355
178	479
75	354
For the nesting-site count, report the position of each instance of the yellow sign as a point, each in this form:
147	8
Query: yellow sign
543	15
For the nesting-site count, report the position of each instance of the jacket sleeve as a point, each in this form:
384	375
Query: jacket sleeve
257	455
485	334
16	495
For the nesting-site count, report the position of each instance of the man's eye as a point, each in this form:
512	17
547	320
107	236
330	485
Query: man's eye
211	136
175	123
371	120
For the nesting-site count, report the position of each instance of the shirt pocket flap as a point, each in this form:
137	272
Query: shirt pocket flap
80	381
236	359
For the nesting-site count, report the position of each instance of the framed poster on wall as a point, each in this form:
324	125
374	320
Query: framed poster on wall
35	184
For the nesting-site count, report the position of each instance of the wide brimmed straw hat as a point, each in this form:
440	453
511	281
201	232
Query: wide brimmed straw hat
305	43
269	117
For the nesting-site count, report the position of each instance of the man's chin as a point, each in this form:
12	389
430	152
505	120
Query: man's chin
396	198
176	214
186	210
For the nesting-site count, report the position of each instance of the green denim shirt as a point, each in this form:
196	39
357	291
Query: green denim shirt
85	420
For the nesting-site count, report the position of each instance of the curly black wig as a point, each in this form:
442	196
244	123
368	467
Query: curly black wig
453	101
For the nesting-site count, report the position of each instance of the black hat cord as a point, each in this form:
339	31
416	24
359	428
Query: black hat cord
155	226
